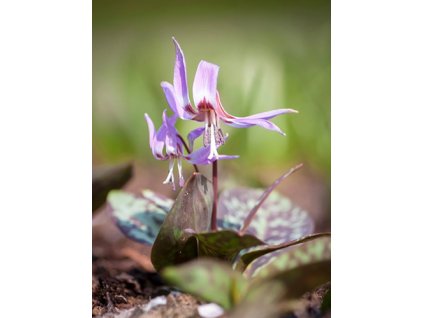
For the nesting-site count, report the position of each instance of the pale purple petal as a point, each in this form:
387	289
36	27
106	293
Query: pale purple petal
186	112
253	120
194	134
205	84
227	157
151	128
245	123
169	122
202	157
272	113
157	140
171	98
180	83
199	156
171	145
171	141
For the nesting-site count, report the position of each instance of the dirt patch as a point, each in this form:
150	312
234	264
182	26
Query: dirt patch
121	290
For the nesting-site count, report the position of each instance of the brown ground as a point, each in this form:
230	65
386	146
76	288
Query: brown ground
122	290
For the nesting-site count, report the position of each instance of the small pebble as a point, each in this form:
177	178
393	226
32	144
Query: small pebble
210	310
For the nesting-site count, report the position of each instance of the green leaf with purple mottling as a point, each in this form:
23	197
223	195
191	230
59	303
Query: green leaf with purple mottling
249	257
300	279
209	279
265	300
191	213
277	221
301	268
273	291
139	216
225	244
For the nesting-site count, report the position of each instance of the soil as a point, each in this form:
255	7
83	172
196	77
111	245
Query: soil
121	289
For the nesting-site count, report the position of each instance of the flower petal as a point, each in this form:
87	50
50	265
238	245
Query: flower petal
180	83
156	139
202	156
194	134
186	112
260	119
171	100
205	84
171	139
273	113
245	123
169	122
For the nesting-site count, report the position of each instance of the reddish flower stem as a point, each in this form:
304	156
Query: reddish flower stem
214	210
188	150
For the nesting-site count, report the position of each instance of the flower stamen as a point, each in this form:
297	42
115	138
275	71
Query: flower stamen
170	177
181	176
213	148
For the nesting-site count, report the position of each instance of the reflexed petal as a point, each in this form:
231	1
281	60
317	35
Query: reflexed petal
201	157
172	141
205	84
169	121
169	125
171	99
151	128
171	145
180	77
272	113
183	112
244	123
156	139
260	119
194	134
227	157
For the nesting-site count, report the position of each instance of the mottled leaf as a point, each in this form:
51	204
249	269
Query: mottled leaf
139	216
273	291
310	252
209	279
264	196
277	221
106	178
249	257
305	266
303	278
191	213
160	200
264	300
225	244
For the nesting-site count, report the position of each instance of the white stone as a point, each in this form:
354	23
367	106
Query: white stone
210	310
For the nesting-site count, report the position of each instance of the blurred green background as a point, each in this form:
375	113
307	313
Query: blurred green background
272	54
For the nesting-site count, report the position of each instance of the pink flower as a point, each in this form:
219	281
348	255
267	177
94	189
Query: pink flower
208	107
